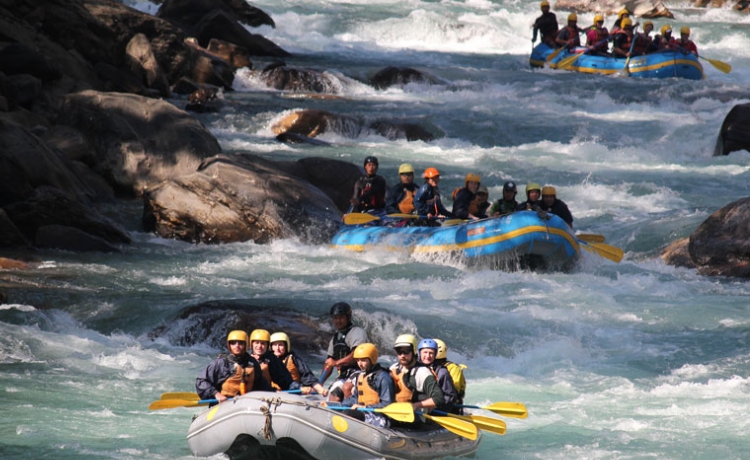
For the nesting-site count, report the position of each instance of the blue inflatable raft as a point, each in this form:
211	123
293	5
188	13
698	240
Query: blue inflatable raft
520	240
664	64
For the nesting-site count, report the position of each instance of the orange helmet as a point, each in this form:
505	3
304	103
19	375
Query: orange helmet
429	173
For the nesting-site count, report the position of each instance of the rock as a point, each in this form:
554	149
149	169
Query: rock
28	89
293	138
71	142
334	177
308	122
639	8
231	200
20	59
394	131
734	134
122	80
10	236
139	142
141	61
204	100
26	163
677	254
187	13
738	5
221	25
721	244
391	76
236	55
283	78
70	239
49	206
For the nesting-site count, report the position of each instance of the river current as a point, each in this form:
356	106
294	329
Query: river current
614	361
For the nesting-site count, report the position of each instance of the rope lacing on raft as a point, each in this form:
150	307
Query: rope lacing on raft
273	403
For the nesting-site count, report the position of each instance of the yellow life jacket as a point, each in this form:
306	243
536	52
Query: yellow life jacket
457	374
406	205
240	383
403	393
292	368
367	395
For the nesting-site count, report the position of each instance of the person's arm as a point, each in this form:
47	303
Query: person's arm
280	375
386	389
307	378
461	205
208	383
393	197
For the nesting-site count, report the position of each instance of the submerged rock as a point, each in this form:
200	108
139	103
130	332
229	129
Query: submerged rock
735	131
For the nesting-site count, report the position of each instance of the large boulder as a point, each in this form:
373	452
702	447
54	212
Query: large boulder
720	245
639	8
392	76
335	178
187	13
735	131
138	142
739	5
239	199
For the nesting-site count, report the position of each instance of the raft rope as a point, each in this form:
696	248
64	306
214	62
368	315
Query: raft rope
267	410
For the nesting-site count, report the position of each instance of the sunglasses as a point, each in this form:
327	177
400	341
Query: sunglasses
236	342
407	174
403	351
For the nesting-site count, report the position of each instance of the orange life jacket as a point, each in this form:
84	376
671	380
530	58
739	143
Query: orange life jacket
403	393
292	367
240	383
406	205
367	395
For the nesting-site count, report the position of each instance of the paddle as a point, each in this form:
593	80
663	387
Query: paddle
460	427
608	252
590	237
359	218
508	409
554	54
400	411
630	54
172	403
483	423
187	396
719	65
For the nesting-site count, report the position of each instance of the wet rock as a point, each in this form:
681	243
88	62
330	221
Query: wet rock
283	78
639	8
239	199
221	25
21	59
335	178
392	76
409	131
677	254
735	131
138	141
721	244
204	100
141	60
187	13
70	239
10	236
738	5
236	55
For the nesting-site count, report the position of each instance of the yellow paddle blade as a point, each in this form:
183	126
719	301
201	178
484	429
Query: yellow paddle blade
554	54
452	222
186	395
719	65
590	237
484	423
172	403
400	411
568	61
460	427
508	409
608	252
404	216
357	218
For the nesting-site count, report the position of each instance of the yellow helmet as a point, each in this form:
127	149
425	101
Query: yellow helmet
281	337
626	22
260	335
598	18
648	23
406	340
622	13
549	190
406	168
533	186
666	28
237	335
366	350
471	177
685	30
543	4
442	351
572	17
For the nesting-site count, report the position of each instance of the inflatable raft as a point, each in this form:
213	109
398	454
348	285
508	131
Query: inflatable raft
664	64
274	425
519	240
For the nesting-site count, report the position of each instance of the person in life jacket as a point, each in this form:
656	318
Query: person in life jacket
623	39
547	25
596	37
341	351
664	40
643	42
427	201
231	374
456	372
401	196
684	44
478	207
369	190
374	388
551	204
298	369
533	194
617	26
508	203
427	349
274	372
569	35
463	197
414	381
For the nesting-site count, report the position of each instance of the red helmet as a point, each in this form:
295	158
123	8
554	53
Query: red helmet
429	173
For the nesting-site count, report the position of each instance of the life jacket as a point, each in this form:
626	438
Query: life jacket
406	205
455	192
625	46
341	349
267	375
641	43
367	394
239	383
403	393
457	375
291	366
474	208
416	394
371	192
599	38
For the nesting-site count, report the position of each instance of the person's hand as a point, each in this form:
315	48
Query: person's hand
220	397
323	404
306	390
353	201
329	363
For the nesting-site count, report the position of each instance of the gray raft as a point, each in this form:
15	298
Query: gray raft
280	425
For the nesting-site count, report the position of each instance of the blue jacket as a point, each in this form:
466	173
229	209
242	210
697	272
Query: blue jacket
427	201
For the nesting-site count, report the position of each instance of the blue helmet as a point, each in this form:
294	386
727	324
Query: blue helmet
427	343
371	159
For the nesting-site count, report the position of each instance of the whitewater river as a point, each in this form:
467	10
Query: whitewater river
614	361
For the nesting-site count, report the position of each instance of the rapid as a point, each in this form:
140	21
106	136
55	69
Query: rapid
614	361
